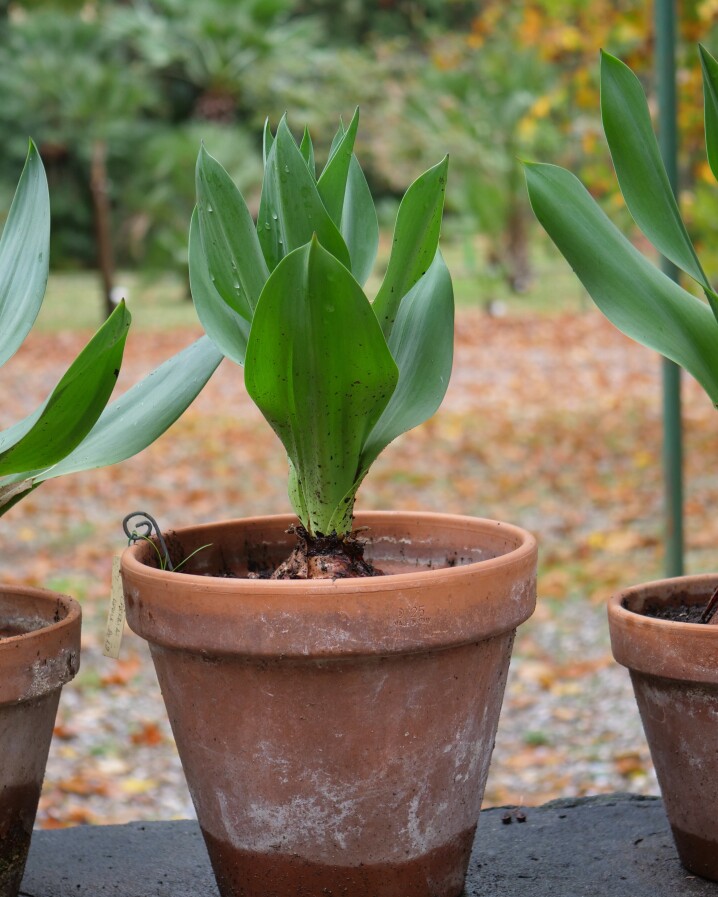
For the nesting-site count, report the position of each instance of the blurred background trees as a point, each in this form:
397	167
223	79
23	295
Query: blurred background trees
118	95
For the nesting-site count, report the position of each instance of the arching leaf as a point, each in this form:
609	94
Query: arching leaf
638	298
24	256
416	238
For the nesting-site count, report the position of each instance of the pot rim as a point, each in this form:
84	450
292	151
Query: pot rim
423	609
39	661
668	649
73	613
525	547
617	609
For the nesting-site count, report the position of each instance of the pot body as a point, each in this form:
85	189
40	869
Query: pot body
674	670
39	652
336	735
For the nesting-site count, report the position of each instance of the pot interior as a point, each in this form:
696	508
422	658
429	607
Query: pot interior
668	593
24	613
395	544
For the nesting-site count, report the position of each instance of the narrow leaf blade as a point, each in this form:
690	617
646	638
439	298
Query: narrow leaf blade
132	422
422	345
638	298
267	140
709	67
229	239
332	184
306	148
639	166
416	239
360	226
24	256
291	210
226	327
320	371
75	403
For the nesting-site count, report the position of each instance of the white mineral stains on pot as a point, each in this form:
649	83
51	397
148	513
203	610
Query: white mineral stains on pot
50	673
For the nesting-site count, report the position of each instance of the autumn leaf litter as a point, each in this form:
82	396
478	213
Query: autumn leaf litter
552	423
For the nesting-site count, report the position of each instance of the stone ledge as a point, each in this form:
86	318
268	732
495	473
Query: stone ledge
615	845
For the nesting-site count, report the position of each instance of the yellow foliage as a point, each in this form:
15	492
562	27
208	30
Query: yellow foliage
569	38
526	128
708	10
541	107
588	142
704	173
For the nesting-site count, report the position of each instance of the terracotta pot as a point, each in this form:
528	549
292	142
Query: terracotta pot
674	669
39	653
336	735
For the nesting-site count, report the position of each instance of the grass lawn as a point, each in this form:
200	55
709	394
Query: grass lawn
161	302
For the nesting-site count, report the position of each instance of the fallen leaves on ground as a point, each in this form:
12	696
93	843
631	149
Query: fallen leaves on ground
553	423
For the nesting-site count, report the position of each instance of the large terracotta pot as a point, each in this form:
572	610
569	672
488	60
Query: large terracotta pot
336	735
39	653
674	669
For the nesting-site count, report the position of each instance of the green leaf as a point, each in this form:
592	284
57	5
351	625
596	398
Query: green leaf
228	328
422	345
416	239
640	170
267	140
24	256
306	148
75	403
320	371
336	140
132	422
332	184
229	238
638	298
291	210
360	227
709	67
13	492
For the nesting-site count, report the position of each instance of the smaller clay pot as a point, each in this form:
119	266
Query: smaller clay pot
39	653
674	670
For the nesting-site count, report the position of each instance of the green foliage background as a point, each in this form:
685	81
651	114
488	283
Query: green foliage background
487	82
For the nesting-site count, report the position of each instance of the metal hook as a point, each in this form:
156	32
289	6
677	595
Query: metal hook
147	523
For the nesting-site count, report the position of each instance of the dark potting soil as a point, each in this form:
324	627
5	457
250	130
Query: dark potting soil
680	610
320	557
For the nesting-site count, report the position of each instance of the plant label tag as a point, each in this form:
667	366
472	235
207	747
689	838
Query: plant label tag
116	613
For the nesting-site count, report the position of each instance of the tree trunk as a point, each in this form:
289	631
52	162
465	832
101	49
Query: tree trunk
103	229
518	262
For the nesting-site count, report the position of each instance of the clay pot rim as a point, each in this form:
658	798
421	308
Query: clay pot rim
666	649
620	613
526	545
42	660
69	621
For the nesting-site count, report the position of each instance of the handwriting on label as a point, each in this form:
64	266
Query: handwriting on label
116	613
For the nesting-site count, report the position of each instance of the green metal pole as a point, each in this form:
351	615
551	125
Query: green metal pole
665	24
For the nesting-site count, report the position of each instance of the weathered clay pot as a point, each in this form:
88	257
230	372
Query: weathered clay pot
336	735
39	653
674	669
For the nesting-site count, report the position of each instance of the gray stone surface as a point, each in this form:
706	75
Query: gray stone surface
611	846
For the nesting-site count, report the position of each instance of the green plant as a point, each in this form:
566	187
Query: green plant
638	298
73	430
337	376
